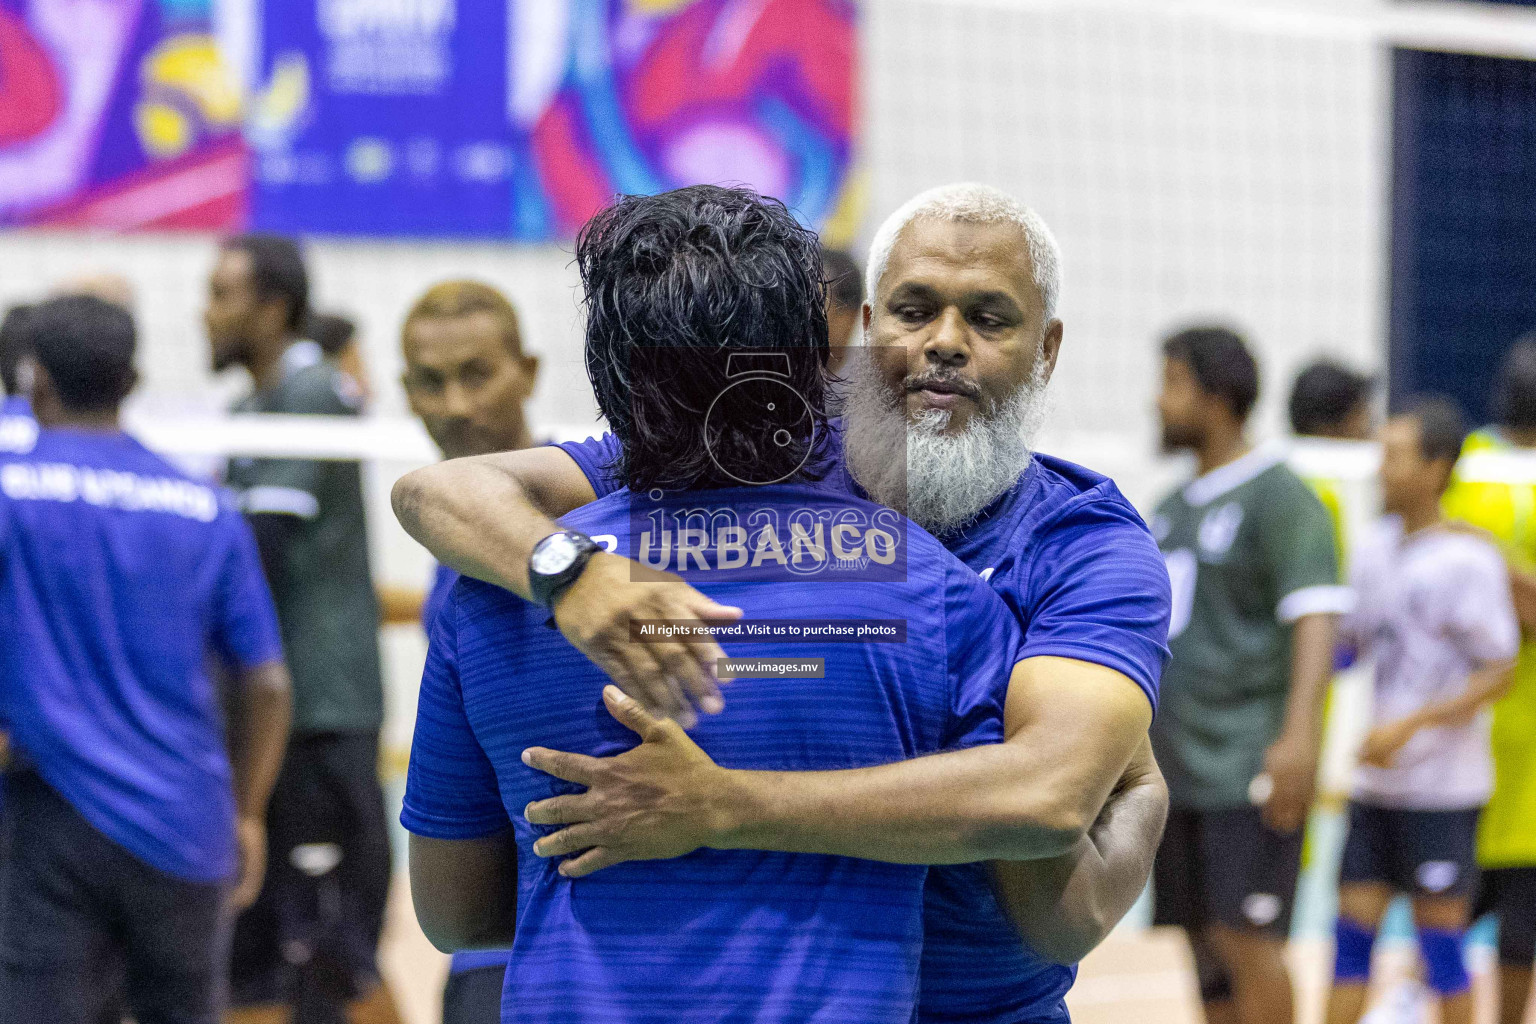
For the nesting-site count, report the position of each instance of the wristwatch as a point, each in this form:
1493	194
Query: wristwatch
555	563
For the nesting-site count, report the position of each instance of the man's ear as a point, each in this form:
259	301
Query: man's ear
1051	345
45	397
531	371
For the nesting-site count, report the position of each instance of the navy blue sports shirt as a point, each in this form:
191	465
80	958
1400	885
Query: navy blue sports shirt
716	935
1075	563
443	580
117	575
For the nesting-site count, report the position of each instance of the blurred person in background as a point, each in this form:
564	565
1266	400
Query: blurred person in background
18	430
468	378
1330	401
105	285
310	942
963	284
129	832
1434	614
1250	553
845	301
1506	842
337	337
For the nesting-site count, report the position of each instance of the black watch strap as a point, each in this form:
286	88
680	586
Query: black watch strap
545	586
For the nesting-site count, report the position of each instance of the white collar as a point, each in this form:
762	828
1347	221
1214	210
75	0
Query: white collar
1205	489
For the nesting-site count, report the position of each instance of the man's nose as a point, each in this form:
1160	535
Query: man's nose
949	342
456	400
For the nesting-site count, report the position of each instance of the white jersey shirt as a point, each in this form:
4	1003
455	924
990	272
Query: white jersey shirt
1431	609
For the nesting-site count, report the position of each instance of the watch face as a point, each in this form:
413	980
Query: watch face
554	554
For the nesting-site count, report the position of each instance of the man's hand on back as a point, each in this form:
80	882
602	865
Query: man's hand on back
668	677
662	799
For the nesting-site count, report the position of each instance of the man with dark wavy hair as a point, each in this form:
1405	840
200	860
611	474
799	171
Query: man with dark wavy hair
705	343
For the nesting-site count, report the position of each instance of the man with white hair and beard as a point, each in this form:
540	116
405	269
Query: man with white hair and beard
962	338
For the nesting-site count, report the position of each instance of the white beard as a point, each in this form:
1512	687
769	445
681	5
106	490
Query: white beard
944	482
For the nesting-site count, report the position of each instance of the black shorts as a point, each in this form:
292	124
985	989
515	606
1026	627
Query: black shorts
1225	867
1423	853
474	996
88	931
312	936
1510	894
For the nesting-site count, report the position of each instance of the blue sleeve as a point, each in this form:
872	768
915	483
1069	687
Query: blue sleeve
1099	592
598	458
450	786
983	642
245	627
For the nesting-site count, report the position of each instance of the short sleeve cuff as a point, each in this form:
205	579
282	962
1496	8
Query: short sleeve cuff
1096	654
1324	600
265	653
593	457
283	501
433	827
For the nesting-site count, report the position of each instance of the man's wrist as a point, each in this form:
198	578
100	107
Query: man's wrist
739	811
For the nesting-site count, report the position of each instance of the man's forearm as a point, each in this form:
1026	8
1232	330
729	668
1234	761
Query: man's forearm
1065	906
949	808
1312	646
1522	586
263	736
475	517
1484	687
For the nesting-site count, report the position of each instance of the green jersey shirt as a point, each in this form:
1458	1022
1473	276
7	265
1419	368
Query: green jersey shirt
1249	550
326	603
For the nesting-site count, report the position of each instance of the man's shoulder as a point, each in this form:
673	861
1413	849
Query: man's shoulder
1280	483
316	389
1068	500
1464	552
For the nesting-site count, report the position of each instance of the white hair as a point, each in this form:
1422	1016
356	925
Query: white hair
969	202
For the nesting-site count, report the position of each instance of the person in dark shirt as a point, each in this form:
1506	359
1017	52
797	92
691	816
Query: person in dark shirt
845	299
311	941
1251	556
337	337
1330	400
131	832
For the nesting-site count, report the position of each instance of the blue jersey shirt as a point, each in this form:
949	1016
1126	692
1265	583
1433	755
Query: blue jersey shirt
746	936
1077	566
443	579
18	430
117	576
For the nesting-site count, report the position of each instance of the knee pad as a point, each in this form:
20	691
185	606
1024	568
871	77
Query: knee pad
1352	952
1445	969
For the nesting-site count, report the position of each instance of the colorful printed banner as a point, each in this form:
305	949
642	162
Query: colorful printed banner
452	118
117	114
